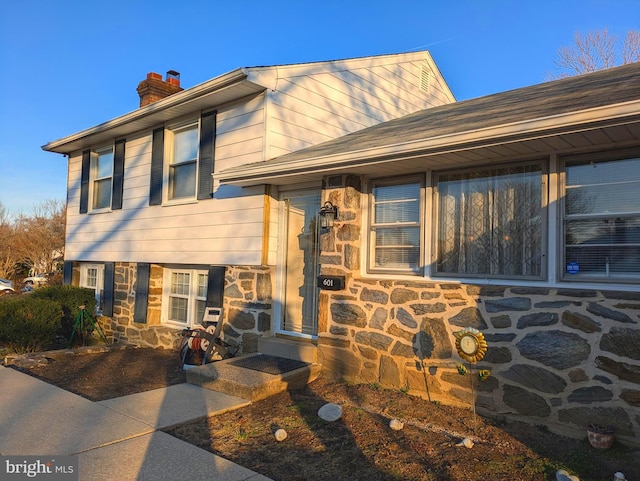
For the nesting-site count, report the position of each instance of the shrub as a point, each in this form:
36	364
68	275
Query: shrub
70	299
29	324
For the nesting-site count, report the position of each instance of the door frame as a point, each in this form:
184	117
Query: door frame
281	270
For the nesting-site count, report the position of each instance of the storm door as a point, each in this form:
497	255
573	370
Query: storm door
300	244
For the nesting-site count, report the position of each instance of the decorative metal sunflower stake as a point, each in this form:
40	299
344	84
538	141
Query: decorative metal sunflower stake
471	346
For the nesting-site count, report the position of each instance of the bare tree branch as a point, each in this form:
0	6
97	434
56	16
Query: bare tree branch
595	50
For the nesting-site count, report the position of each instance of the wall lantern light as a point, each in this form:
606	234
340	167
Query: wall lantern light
328	214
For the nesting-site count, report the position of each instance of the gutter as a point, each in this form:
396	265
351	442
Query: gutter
234	77
259	173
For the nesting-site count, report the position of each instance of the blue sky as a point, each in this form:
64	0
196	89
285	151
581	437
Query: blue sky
69	65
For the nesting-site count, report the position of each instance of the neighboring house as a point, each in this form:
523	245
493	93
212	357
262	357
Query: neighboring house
515	213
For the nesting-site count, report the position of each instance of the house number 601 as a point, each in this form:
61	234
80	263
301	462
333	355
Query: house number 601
331	283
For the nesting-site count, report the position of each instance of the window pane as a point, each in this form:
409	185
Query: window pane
178	309
102	194
396	226
182	180
396	203
200	306
490	222
180	283
202	285
92	277
104	164
185	145
603	188
601	232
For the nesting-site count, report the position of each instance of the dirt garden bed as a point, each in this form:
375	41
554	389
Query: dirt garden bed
359	446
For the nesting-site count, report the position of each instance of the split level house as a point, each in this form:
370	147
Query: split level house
352	213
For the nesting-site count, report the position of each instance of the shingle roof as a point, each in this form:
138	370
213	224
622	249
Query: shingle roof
574	94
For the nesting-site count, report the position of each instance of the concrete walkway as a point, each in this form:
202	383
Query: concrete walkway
116	439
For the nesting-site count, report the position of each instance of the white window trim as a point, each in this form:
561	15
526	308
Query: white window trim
169	154
553	270
192	297
99	287
93	178
563	277
370	234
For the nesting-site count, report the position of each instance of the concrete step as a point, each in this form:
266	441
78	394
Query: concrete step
288	348
223	376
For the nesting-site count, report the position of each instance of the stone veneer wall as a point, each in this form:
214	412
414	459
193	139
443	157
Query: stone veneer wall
564	358
247	308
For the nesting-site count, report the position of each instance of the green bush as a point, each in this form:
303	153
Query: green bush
29	324
70	298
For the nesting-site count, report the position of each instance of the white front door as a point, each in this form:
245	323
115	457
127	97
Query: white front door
299	254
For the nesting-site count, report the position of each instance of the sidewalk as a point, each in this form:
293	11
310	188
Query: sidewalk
116	439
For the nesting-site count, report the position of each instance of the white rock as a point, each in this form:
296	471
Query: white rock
466	442
330	412
562	475
280	435
396	425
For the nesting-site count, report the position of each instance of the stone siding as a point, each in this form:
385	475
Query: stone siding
562	357
248	298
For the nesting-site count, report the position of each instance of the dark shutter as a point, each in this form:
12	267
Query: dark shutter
142	293
84	182
118	174
67	272
107	296
207	149
157	159
215	286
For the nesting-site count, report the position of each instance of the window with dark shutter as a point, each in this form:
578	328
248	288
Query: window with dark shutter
207	150
142	293
107	299
67	272
157	159
84	181
215	286
118	175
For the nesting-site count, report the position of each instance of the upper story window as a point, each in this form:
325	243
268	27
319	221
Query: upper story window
101	178
490	222
183	162
601	219
395	225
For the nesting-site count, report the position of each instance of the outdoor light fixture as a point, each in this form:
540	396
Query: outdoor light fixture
328	214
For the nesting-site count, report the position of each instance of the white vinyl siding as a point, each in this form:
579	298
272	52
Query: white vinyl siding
228	229
312	106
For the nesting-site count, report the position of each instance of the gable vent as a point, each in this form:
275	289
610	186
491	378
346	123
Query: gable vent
425	78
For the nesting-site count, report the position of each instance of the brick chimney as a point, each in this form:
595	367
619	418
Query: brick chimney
153	88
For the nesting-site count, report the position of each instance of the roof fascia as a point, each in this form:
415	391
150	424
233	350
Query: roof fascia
532	128
233	77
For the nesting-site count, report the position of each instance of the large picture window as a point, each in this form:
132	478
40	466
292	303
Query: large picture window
395	226
186	295
489	222
602	219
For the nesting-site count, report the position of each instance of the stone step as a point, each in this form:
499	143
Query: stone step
288	348
224	376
